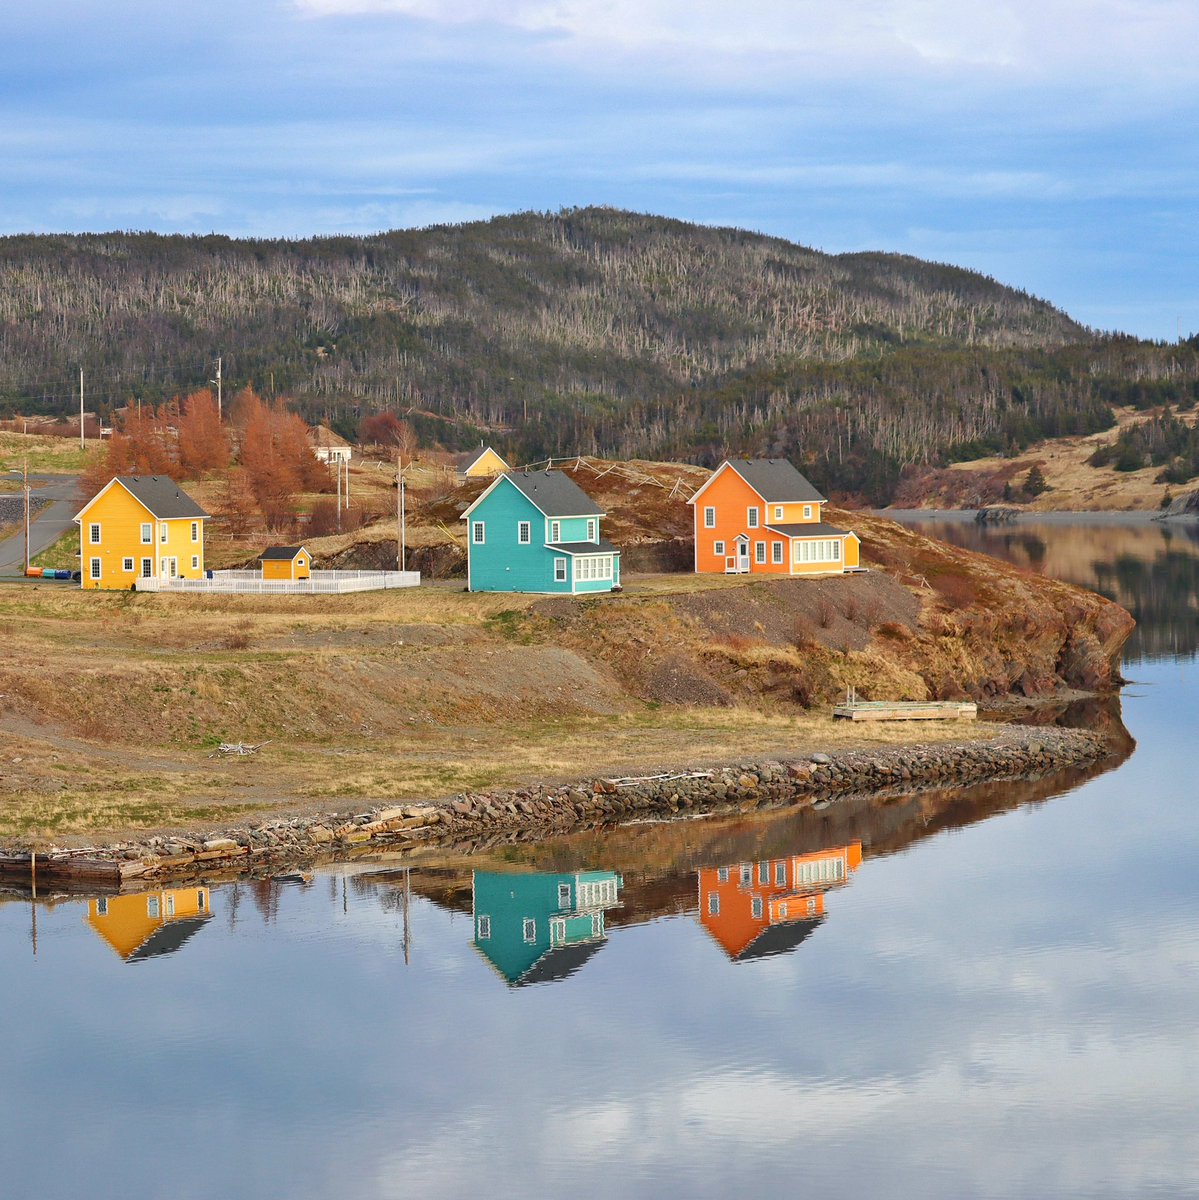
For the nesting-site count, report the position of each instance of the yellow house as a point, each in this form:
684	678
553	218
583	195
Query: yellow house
150	924
140	527
286	563
482	464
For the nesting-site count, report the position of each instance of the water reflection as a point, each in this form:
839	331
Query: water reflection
758	910
150	924
540	928
1149	567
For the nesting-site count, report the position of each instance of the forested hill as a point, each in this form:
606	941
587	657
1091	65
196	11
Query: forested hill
590	330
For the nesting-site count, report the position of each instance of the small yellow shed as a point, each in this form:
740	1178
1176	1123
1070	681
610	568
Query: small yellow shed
483	463
286	563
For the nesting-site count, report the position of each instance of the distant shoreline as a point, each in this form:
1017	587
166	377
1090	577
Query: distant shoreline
1090	517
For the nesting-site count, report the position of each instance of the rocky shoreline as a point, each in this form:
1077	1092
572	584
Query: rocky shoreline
815	779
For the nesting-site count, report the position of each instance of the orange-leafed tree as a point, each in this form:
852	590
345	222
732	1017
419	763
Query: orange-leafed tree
238	505
203	442
145	444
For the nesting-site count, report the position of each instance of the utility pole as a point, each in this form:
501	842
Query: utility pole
25	489
401	516
219	407
338	495
81	445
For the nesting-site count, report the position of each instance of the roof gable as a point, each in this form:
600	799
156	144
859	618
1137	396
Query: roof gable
551	492
282	553
774	479
159	495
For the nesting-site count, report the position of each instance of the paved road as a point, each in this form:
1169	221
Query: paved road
49	524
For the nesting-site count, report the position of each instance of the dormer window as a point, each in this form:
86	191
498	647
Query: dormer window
555	531
592	532
807	512
778	512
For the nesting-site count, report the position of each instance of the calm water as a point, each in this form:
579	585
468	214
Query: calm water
983	993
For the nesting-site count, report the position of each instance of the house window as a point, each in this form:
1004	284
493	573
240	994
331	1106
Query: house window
524	533
836	552
713	904
747	874
555	531
530	929
93	534
759	552
763	872
126	564
778	512
812	906
592	532
709	518
780	874
162	532
782	912
484	929
807	512
170	904
201	900
94	568
152	907
718	548
147	534
147	568
776	552
722	874
564	895
559	570
756	906
478	532
102	906
751	517
196	562
195	531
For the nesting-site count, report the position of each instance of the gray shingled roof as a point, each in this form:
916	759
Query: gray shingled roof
281	553
600	547
557	495
819	529
162	496
775	480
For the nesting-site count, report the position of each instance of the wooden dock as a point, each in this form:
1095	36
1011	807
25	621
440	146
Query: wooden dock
907	710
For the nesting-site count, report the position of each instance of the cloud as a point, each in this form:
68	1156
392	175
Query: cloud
1018	38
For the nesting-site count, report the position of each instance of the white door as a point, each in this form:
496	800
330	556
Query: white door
743	556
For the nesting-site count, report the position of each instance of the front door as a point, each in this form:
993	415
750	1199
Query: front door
743	555
169	568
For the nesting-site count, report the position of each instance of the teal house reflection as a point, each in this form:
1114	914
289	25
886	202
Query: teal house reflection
542	927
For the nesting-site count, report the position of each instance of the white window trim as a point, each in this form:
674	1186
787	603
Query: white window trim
195	531
713	904
751	516
564	895
709	517
147	533
756	908
93	568
759	552
776	553
127	564
555	531
718	548
478	533
93	533
196	562
807	512
147	568
163	532
483	932
524	533
560	571
592	530
529	930
778	512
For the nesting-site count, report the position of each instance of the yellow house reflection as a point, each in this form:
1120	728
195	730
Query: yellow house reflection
150	924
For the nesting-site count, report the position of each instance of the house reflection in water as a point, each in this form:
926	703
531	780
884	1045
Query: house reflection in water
150	924
758	909
542	927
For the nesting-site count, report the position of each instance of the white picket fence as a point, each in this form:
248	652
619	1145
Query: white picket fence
251	583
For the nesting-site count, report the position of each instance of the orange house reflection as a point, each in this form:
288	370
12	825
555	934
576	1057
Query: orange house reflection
758	909
150	924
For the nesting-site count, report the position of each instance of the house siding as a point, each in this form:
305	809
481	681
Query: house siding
502	563
120	516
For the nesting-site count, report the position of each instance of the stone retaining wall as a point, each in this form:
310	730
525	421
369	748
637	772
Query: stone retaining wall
815	779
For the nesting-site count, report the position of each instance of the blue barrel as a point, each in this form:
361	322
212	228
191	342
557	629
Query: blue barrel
62	574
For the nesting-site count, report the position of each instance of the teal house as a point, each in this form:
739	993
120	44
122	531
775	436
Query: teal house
538	531
542	927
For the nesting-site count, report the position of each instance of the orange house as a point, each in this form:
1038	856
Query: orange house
762	517
758	909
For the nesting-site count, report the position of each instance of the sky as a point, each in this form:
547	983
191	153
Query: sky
1051	144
